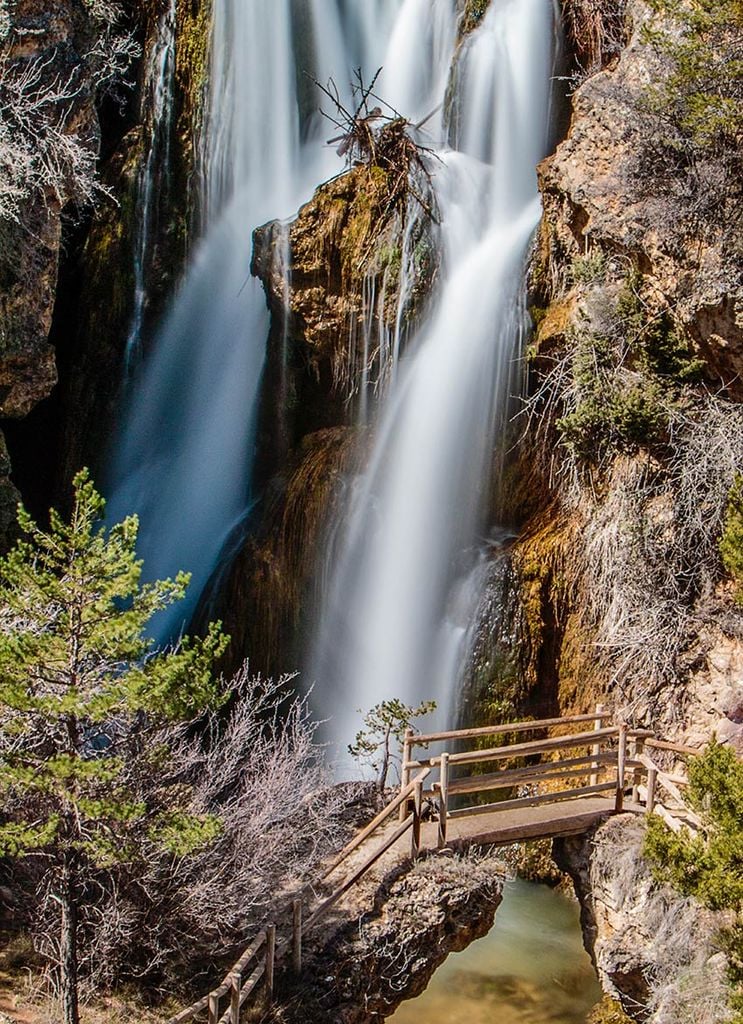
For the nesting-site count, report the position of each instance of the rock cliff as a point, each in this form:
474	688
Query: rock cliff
654	951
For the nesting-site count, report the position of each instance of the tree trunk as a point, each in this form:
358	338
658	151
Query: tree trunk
68	948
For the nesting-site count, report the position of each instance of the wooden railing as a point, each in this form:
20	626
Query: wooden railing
602	759
233	988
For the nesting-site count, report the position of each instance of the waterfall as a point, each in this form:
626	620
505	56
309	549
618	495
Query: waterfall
393	621
183	456
156	109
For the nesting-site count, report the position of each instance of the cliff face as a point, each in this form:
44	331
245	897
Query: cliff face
72	228
654	951
407	925
44	52
634	431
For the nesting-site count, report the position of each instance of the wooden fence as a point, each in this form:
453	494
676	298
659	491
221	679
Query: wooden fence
602	759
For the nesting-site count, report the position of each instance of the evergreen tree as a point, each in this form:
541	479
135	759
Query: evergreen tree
384	724
81	689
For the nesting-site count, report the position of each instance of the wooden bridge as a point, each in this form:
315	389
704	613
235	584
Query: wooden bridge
583	769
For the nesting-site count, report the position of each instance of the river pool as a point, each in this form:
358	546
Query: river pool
530	968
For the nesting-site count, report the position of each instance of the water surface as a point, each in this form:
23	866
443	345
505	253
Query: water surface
530	968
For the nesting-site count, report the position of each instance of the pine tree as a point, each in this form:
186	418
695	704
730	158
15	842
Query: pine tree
384	723
81	689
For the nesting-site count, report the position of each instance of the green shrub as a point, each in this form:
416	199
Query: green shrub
709	867
703	96
655	342
589	268
731	542
609	413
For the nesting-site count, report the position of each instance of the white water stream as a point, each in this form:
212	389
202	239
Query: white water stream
396	605
390	627
183	458
156	110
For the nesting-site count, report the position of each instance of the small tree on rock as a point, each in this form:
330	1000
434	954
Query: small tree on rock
81	690
384	723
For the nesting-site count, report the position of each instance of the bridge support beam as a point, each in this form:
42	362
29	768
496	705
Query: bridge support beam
297	936
596	748
415	840
407	751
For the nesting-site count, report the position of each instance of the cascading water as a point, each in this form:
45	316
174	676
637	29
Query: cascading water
157	110
183	459
415	522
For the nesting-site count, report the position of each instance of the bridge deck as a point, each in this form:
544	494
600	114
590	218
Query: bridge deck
498	828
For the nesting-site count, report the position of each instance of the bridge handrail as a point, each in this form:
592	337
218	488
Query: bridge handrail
518	749
232	982
422	739
387	811
657	777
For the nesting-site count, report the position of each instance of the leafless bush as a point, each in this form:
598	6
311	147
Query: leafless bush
596	31
651	544
43	150
4	21
178	920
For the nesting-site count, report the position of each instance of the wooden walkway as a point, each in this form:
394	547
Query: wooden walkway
577	772
549	821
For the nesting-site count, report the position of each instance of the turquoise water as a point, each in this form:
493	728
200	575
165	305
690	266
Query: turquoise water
530	968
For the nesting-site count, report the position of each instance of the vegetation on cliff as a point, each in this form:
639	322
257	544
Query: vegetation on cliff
731	542
709	867
42	151
700	104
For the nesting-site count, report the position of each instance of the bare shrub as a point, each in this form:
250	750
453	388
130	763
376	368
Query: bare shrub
43	151
651	545
596	31
177	921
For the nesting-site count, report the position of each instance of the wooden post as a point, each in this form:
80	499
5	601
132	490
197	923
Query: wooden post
637	747
415	840
270	959
236	983
297	936
407	750
621	761
596	748
443	799
213	1008
652	781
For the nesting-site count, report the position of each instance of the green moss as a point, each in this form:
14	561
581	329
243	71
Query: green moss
731	542
193	41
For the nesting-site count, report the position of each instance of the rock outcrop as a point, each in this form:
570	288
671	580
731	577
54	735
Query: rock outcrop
655	951
360	973
359	272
